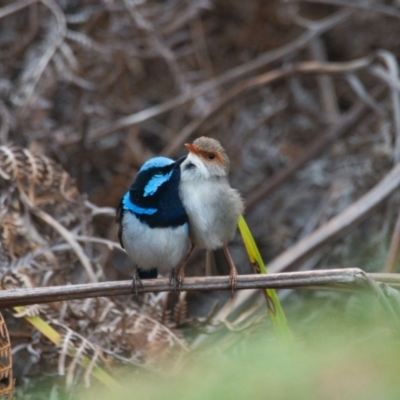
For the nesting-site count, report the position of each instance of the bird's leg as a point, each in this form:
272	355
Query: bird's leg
181	268
174	279
233	271
178	274
136	281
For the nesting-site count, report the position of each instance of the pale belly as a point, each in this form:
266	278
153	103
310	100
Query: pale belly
213	213
161	248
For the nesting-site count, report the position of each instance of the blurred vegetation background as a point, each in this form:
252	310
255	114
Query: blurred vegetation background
303	94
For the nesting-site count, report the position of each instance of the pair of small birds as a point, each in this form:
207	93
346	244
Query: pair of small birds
173	206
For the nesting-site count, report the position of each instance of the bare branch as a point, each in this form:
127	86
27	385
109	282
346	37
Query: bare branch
70	239
344	123
351	278
364	5
363	94
325	83
33	75
233	74
318	52
14	7
339	225
64	233
109	243
160	47
264	79
393	69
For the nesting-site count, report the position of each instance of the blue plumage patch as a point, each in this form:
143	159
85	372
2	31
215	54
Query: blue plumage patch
156	162
155	182
128	205
154	195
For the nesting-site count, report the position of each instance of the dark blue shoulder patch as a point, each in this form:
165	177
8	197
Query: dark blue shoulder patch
155	182
154	195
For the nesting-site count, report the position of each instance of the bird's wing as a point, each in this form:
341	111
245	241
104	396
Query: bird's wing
118	220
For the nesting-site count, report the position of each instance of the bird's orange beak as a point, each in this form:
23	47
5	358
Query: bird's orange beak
192	148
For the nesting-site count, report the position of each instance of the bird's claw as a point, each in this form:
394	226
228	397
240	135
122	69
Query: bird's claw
232	280
136	281
232	272
176	278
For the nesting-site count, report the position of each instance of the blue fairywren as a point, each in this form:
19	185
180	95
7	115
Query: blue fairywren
153	225
212	205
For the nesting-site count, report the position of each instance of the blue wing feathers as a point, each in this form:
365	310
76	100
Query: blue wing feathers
155	182
128	205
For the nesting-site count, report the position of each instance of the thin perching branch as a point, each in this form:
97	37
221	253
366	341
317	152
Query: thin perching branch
353	279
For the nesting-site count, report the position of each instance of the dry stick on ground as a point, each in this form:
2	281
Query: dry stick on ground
15	6
325	82
318	53
380	8
393	70
24	94
352	279
158	43
306	67
339	225
64	233
360	90
318	29
316	147
185	16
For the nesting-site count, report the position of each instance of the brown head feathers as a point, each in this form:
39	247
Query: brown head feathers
210	150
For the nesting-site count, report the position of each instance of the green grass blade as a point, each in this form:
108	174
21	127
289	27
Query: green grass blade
275	309
45	329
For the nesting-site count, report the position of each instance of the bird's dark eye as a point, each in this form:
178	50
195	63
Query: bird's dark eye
211	156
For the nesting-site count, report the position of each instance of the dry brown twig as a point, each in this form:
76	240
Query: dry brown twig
338	225
15	7
362	93
307	67
369	6
393	71
318	53
158	44
346	122
6	372
34	176
231	75
325	82
33	74
352	279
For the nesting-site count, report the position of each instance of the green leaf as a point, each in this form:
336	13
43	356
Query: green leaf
275	309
